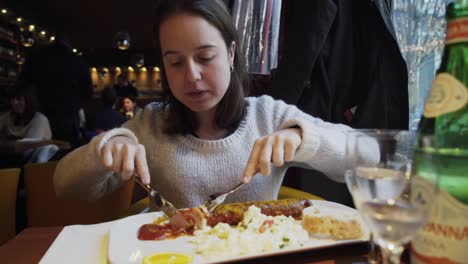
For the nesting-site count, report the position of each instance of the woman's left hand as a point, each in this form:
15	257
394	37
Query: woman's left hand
279	147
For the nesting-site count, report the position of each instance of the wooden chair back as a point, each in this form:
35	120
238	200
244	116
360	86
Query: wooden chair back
44	208
8	190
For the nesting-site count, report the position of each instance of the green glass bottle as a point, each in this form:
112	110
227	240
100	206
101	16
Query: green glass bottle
444	239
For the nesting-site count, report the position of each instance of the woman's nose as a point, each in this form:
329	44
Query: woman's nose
192	73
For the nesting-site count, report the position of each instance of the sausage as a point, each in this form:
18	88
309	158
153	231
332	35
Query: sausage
186	221
233	213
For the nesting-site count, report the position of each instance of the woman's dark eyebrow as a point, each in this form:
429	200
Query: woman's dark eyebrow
207	46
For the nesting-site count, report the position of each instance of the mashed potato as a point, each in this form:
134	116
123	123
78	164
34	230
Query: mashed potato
257	233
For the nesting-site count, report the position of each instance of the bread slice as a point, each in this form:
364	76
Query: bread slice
332	223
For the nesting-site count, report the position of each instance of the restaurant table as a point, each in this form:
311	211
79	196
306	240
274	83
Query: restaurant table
31	244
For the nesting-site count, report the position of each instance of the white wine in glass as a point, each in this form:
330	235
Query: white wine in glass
393	202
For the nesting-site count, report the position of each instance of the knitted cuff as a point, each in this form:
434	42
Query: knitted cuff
310	139
103	138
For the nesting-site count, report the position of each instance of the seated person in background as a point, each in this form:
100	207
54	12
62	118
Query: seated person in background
124	87
105	117
129	107
25	135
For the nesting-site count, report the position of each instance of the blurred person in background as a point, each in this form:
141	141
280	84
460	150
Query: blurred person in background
129	107
25	134
124	88
63	83
105	117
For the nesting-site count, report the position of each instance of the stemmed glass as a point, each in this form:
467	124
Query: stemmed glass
373	256
393	202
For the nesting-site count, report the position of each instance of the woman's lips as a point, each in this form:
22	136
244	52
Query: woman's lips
197	94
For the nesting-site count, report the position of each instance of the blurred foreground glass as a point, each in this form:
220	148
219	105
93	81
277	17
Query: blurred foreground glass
403	149
374	254
393	202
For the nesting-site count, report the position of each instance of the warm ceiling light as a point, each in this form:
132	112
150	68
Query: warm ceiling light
74	50
93	69
143	69
19	19
52	38
130	68
43	32
105	69
156	69
4	11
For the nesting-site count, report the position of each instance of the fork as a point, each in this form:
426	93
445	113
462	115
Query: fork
218	198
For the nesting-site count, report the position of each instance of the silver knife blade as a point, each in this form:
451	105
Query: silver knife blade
164	205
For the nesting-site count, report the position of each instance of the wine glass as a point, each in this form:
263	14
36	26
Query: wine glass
393	202
373	255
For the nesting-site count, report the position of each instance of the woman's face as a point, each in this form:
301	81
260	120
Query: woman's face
128	105
196	60
17	104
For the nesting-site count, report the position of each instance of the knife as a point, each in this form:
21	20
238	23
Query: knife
164	205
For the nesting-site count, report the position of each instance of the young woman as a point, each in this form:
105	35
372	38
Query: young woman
129	107
206	137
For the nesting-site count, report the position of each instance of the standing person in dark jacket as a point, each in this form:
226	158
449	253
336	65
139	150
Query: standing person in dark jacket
63	83
341	57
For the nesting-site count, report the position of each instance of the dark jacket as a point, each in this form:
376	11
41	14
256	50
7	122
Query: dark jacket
63	82
340	54
104	119
126	90
337	55
62	79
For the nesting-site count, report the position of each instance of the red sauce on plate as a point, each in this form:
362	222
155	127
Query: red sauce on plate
161	232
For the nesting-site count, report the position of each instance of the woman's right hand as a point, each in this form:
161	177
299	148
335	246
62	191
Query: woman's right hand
123	156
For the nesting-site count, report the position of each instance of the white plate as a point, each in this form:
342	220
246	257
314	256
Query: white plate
125	247
78	244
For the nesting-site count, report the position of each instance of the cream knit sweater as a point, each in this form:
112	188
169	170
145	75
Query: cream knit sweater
186	169
37	128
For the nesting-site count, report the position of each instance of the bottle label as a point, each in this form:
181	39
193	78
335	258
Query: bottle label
447	95
444	238
457	31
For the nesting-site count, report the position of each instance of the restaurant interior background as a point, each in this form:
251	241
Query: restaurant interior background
93	28
117	36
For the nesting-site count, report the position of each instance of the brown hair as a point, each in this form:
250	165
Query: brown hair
230	109
31	102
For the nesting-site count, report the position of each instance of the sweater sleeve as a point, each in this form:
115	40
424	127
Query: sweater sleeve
90	181
322	147
39	128
323	143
